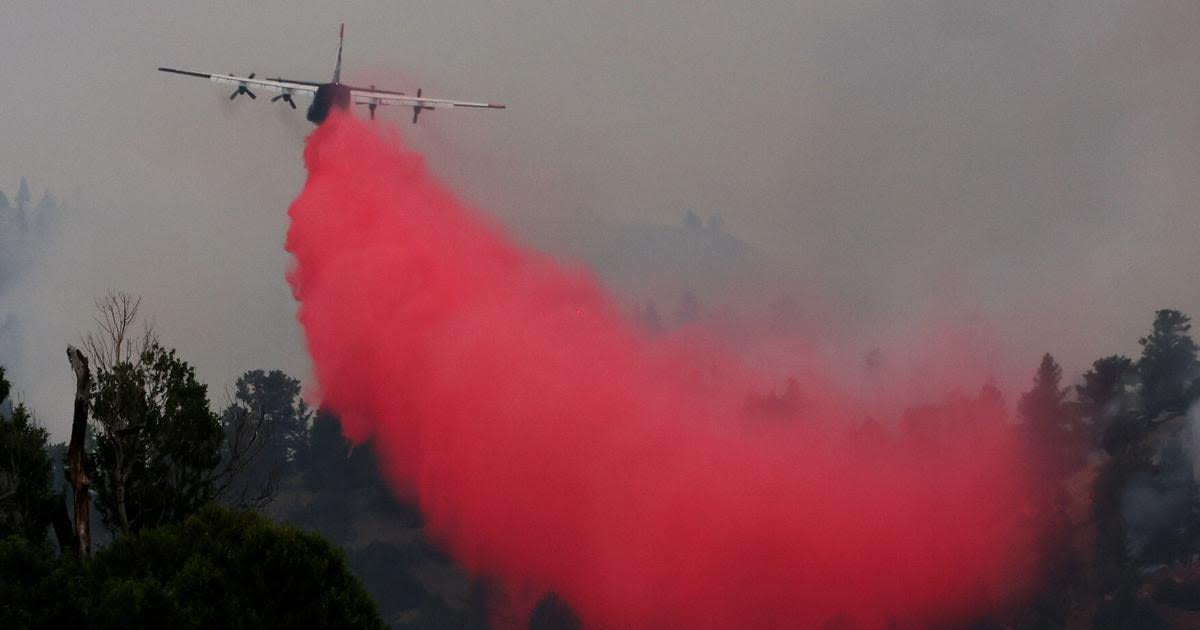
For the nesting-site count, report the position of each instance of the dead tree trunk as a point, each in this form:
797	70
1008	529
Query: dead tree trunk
76	474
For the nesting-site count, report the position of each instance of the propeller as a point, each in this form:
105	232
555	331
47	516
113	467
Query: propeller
371	106
241	89
286	97
417	108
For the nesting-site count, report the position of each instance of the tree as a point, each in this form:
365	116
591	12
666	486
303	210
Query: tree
157	441
1102	395
692	222
340	475
1168	366
114	341
161	453
265	427
26	501
275	396
1050	423
80	536
23	196
4	204
218	569
324	464
22	199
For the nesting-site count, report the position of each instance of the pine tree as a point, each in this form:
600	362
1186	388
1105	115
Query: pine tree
23	194
1168	366
1102	398
1051	424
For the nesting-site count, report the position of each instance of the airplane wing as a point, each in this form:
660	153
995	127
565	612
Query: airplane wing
371	96
245	85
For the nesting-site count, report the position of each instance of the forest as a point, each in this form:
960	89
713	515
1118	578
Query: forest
171	507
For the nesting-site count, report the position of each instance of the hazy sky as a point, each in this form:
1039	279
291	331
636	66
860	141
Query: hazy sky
1033	164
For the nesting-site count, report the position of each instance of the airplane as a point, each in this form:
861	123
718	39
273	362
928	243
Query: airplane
333	94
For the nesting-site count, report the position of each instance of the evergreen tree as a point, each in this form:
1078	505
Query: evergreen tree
26	501
1168	366
275	396
1050	423
1102	396
22	199
25	497
23	196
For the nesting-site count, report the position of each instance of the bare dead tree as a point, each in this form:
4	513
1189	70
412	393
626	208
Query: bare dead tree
114	341
80	483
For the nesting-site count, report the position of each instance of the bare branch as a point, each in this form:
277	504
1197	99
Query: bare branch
247	433
113	341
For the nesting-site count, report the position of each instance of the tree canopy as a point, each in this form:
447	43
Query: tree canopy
157	441
1168	366
220	568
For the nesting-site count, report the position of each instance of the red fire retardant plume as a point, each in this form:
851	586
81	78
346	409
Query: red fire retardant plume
549	446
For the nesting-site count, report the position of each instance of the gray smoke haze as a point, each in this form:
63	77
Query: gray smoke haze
1024	164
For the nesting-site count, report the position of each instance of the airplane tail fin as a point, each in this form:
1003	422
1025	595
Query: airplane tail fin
337	70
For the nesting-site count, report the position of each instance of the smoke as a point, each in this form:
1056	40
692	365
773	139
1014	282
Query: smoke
551	447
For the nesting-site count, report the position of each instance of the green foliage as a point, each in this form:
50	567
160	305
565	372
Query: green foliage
274	397
1168	366
1102	396
1103	383
25	498
28	578
218	569
26	501
157	442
